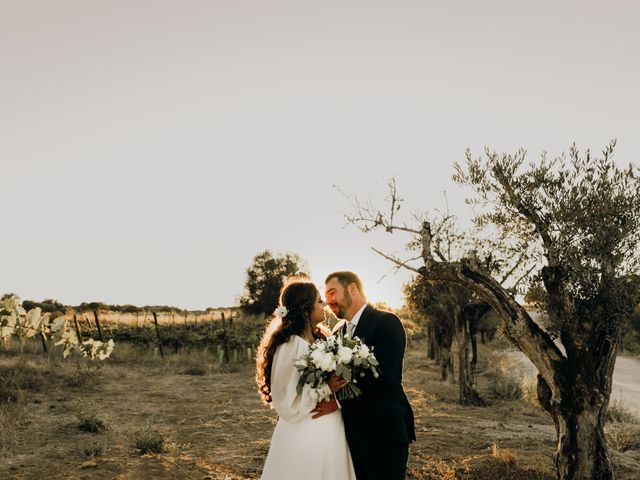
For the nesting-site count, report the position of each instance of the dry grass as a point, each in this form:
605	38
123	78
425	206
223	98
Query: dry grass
213	425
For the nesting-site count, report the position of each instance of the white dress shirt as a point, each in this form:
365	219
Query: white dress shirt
354	321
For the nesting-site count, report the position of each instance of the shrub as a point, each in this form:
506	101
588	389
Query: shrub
504	455
530	391
8	393
92	451
15	380
21	377
195	370
84	377
147	441
618	412
91	423
10	416
622	436
505	389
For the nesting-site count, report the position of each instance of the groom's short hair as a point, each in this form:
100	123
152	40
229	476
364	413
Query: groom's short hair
345	278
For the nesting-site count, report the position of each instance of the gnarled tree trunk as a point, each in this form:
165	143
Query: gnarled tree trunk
581	452
446	363
432	346
468	392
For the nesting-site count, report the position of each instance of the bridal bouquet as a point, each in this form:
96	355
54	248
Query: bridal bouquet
349	358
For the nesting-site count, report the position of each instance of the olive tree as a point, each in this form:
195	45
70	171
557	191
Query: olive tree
576	218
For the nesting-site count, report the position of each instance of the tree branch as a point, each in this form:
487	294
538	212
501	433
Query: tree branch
515	267
395	260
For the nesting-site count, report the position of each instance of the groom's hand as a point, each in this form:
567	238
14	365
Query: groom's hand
325	407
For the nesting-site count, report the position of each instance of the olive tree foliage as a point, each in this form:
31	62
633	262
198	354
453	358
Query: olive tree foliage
577	218
264	279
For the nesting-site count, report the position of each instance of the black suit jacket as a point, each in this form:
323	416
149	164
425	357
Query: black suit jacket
381	416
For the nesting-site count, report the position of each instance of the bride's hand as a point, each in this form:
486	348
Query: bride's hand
336	383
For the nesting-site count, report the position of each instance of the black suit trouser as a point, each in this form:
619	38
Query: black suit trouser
384	464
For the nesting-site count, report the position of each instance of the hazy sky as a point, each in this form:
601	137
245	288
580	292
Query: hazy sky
150	149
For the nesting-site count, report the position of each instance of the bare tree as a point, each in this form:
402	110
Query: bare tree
577	219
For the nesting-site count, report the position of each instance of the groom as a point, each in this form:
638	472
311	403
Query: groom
379	422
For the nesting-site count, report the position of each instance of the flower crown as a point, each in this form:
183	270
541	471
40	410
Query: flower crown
281	311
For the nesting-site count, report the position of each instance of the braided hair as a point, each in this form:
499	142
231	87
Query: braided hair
298	296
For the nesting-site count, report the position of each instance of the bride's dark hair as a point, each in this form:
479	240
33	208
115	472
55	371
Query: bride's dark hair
298	296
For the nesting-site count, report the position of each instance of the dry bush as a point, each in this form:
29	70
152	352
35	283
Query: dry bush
499	464
18	379
149	441
199	370
618	412
505	389
85	377
503	464
21	376
530	392
503	455
91	423
9	418
92	451
622	436
436	469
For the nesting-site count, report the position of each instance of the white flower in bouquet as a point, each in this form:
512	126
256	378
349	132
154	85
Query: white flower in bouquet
318	394
363	350
345	354
323	359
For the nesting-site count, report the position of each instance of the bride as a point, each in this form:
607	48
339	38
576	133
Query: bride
303	444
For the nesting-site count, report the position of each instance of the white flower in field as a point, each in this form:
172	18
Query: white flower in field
6	331
68	337
8	326
281	311
58	324
34	318
105	349
345	354
11	303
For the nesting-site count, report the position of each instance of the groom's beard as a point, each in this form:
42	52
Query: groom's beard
346	305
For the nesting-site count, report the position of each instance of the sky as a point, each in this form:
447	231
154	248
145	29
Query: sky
150	149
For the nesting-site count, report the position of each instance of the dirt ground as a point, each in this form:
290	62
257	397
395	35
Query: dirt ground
213	424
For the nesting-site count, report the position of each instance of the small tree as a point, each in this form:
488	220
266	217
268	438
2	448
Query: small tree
265	278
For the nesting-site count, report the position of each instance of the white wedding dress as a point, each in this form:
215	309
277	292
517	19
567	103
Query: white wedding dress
303	447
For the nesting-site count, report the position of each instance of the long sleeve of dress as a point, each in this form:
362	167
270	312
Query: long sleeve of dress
284	379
